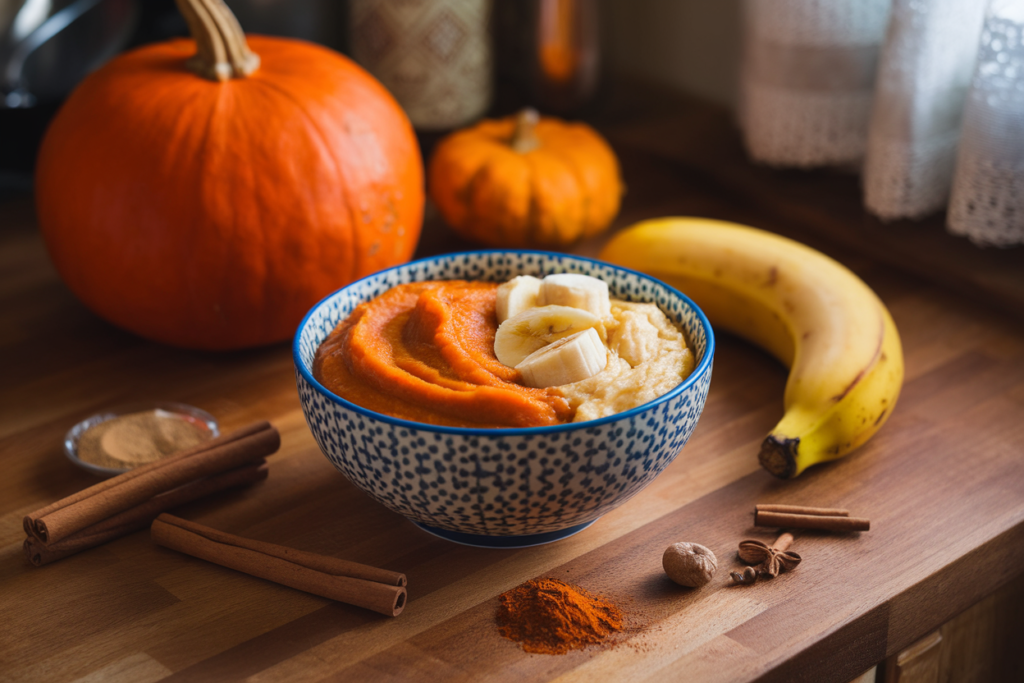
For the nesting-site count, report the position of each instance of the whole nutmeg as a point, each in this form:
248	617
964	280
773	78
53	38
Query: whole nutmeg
689	564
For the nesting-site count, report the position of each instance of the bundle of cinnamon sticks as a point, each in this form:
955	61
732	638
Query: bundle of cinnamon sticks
131	501
139	497
804	517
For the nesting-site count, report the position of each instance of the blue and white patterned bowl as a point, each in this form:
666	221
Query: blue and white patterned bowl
503	487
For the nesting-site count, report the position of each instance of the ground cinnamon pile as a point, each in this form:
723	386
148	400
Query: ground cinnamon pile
135	439
549	616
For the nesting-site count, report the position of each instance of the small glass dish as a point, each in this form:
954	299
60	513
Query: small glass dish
197	417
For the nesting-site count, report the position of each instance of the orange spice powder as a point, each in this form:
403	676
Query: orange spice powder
549	616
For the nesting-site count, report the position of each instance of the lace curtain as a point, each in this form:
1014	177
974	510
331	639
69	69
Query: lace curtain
926	97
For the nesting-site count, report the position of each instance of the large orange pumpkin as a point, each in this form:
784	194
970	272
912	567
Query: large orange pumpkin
212	212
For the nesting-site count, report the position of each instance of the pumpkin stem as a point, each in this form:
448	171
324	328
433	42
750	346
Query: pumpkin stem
221	50
524	139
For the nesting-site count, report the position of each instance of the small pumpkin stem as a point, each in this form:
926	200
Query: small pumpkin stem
524	139
221	50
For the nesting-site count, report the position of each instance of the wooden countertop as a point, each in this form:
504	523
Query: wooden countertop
942	482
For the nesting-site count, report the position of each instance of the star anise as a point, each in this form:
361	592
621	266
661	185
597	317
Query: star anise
770	559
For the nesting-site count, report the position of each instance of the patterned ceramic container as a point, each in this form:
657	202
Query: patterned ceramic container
503	487
433	56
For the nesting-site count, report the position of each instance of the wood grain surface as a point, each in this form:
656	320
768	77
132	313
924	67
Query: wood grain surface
943	484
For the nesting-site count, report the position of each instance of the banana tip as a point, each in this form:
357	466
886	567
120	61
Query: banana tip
778	456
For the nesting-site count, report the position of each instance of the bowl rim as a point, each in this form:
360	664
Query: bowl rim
698	372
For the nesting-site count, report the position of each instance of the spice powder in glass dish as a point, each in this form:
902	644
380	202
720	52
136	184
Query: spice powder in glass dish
548	616
134	439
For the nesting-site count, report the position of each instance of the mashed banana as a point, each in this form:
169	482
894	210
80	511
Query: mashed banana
648	357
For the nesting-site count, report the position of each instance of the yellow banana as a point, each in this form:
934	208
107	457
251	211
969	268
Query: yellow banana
810	312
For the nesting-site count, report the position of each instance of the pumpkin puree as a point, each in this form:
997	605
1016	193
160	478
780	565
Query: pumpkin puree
424	351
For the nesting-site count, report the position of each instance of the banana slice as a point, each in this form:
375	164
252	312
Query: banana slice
517	295
578	291
535	328
570	359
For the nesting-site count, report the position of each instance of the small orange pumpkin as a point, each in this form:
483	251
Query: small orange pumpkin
212	212
526	181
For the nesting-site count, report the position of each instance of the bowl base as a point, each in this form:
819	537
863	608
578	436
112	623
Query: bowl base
525	541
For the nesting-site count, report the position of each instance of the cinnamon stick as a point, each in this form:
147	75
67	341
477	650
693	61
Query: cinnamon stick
821	522
802	510
65	517
783	542
317	574
140	516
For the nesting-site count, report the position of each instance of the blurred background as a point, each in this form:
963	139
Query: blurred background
49	45
922	99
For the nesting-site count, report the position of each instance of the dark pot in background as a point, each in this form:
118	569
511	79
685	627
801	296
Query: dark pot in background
47	48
